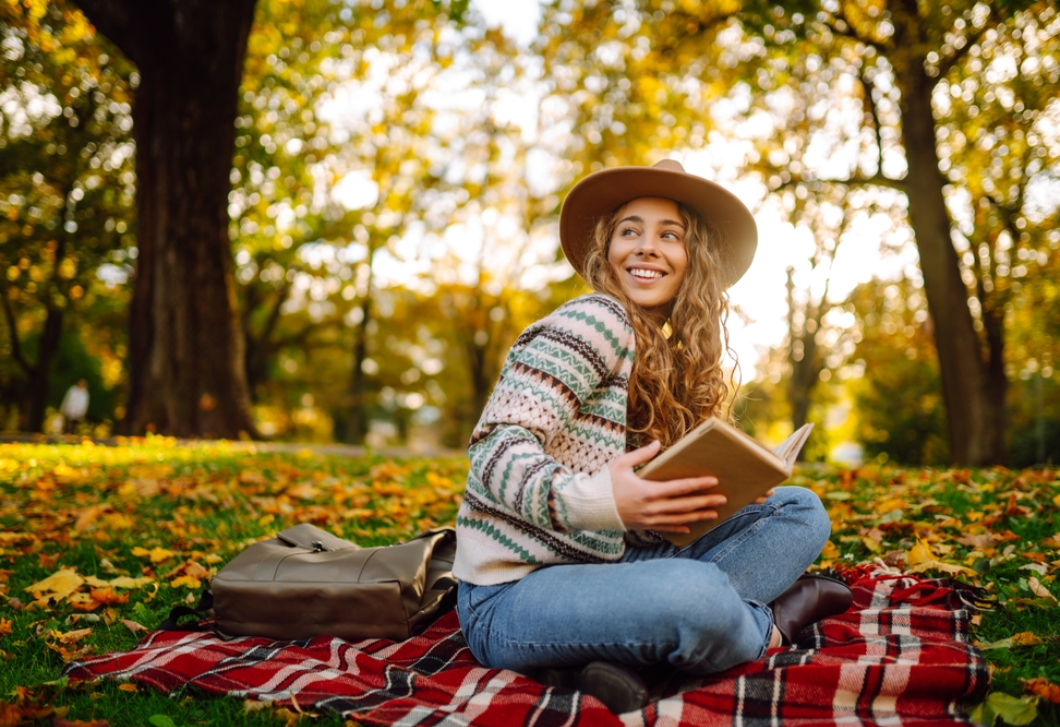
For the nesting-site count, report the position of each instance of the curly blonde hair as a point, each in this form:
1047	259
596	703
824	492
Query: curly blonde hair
678	379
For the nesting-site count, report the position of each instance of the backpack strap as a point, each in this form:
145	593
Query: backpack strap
178	612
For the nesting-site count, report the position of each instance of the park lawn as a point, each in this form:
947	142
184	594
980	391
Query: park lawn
155	518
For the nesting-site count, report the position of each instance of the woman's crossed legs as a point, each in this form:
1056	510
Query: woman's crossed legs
700	609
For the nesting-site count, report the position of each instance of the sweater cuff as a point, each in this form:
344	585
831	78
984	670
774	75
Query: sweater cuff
588	502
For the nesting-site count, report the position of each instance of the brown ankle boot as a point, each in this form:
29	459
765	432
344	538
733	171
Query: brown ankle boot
617	686
811	598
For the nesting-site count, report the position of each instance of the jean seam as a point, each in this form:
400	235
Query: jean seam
769	630
745	533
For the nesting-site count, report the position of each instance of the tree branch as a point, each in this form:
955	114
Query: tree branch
853	34
946	64
875	115
274	314
876	180
118	21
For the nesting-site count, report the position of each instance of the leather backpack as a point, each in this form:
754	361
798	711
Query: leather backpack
307	582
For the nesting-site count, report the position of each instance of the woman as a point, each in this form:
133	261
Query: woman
562	571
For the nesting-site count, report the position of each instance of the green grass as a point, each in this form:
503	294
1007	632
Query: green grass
104	510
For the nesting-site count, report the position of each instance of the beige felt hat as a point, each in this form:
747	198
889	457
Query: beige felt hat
603	192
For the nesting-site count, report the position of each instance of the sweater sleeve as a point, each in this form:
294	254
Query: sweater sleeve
553	368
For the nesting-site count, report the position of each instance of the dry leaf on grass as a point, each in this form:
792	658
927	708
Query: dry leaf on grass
58	585
1043	688
1039	590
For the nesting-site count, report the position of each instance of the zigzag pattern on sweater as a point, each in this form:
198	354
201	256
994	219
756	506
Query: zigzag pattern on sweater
550	540
554	421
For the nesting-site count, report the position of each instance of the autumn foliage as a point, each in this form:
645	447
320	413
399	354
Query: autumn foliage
97	543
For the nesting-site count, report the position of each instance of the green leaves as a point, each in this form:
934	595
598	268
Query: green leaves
1011	710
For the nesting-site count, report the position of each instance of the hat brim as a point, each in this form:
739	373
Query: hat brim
603	192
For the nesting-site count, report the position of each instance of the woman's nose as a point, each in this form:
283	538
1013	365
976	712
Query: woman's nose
645	247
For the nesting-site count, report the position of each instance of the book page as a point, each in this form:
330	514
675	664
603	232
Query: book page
789	449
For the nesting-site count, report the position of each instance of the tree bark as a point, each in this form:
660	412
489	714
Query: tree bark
186	361
36	396
357	416
973	417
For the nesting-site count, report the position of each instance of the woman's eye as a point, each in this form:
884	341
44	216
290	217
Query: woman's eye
628	231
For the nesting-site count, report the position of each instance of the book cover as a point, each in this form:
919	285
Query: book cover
746	469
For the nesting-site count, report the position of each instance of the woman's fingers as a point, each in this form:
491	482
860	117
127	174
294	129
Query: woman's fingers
686	486
685	504
677	523
670	505
638	456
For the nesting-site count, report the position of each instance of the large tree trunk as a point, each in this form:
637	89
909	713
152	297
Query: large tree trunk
36	396
973	418
186	345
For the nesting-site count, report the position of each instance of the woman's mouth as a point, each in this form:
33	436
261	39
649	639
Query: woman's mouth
645	274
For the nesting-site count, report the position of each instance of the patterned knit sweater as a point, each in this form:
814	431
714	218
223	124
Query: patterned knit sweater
539	491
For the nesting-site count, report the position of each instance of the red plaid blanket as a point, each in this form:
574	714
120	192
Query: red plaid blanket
899	656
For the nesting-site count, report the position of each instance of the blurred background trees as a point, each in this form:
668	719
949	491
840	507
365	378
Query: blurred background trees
381	220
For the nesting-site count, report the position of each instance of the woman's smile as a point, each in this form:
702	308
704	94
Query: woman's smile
647	252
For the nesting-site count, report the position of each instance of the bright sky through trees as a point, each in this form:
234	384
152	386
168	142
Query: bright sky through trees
760	295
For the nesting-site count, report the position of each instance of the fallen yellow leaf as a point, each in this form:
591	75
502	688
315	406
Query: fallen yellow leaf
188	581
127	582
161	554
58	585
1026	638
127	687
952	569
920	553
119	582
71	637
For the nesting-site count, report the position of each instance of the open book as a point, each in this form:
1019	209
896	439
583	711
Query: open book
746	469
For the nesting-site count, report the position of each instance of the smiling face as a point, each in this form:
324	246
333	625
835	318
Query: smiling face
647	252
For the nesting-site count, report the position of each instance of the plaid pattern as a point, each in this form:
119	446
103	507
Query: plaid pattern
899	656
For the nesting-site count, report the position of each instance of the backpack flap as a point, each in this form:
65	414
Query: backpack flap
311	537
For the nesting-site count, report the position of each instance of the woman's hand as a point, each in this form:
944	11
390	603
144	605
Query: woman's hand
763	498
668	506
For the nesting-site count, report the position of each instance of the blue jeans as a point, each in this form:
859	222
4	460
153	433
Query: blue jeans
700	608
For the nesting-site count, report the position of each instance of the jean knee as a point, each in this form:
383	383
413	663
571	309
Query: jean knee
712	627
811	513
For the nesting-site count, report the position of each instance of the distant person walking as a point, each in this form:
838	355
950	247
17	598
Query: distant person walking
74	406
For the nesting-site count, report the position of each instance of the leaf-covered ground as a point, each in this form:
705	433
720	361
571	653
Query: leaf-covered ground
97	543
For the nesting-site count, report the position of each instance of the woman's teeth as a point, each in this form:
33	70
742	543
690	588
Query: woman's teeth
645	273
